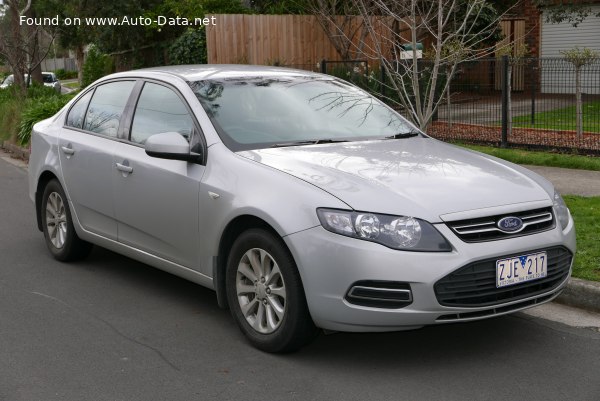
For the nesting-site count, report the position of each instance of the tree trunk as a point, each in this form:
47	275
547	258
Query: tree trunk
17	62
34	68
79	55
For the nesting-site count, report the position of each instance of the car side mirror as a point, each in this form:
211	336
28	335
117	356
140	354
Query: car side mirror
170	145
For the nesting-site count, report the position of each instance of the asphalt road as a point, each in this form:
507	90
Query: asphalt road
110	328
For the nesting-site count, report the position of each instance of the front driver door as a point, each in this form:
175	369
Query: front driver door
157	200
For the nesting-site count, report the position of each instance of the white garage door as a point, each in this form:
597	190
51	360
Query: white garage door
557	76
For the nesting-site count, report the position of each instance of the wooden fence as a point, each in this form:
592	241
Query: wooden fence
297	40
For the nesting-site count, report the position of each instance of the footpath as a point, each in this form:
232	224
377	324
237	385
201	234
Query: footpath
578	293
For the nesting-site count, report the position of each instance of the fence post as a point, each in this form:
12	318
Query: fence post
324	66
504	141
533	90
382	81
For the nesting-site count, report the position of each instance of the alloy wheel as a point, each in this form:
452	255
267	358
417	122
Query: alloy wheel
261	291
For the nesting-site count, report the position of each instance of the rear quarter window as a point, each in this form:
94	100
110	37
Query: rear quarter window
77	112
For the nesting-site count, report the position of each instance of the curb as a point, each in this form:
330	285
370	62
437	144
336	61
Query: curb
17	151
581	294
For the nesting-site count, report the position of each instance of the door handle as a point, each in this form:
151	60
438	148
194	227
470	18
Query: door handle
68	150
124	168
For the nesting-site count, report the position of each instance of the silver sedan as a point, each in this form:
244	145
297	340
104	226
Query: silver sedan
304	202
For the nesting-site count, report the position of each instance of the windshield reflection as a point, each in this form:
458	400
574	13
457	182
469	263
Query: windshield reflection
260	112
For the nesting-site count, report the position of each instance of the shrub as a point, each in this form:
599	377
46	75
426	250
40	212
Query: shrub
96	65
189	48
37	91
37	110
10	116
64	74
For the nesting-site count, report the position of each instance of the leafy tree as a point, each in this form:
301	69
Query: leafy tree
95	67
189	48
580	58
556	11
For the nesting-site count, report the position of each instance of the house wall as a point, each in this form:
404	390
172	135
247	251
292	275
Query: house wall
556	38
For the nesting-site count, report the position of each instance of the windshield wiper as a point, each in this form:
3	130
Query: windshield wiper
400	135
312	142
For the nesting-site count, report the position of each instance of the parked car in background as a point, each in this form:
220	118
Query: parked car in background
8	81
303	201
49	79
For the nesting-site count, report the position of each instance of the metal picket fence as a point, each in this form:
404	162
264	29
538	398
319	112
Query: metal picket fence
475	108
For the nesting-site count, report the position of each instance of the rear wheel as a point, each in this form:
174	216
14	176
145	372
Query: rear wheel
60	235
265	293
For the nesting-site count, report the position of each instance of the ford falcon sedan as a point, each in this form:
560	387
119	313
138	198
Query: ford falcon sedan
301	200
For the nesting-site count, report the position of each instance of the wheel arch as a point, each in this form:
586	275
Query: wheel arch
233	230
42	181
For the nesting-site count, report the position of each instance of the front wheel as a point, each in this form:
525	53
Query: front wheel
60	235
265	293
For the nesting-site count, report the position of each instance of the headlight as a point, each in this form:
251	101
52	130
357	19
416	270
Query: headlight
398	232
561	210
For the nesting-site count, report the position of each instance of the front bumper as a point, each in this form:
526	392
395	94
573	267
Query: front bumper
330	264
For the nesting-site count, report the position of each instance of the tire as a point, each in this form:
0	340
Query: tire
57	224
272	311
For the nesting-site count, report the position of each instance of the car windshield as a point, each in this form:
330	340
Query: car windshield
47	78
254	113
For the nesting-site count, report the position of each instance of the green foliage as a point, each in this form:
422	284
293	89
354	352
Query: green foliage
533	158
224	7
566	11
18	114
580	57
36	111
564	118
64	74
38	91
189	48
282	6
586	213
96	66
10	115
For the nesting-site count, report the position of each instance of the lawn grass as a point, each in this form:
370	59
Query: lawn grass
72	85
563	118
586	213
539	158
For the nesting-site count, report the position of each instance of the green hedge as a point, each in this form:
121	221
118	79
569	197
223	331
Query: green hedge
18	114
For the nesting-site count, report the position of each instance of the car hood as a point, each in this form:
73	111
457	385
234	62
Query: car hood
419	177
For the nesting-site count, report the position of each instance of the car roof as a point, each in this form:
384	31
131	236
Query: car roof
218	71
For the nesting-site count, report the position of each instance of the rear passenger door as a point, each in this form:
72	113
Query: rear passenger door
157	200
86	145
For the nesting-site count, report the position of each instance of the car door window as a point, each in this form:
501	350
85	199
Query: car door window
77	112
160	109
107	105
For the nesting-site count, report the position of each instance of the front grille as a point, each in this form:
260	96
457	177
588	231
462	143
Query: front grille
486	228
474	285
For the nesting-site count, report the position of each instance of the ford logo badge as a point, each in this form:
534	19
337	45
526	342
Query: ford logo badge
510	224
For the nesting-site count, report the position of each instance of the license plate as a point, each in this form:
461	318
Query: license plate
520	269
